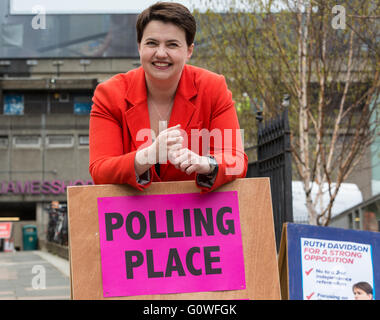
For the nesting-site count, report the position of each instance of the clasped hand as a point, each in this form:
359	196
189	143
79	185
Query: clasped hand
168	146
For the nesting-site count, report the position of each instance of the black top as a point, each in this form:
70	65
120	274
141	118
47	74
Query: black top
157	167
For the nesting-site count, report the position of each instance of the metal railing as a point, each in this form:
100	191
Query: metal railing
274	160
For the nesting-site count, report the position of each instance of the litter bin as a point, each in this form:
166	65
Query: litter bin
29	237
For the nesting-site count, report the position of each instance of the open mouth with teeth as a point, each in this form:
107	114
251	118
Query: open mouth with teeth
161	65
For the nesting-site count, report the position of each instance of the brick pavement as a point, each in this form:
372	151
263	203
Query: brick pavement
33	275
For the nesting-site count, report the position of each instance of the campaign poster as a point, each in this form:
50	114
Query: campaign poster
331	269
173	243
327	263
13	104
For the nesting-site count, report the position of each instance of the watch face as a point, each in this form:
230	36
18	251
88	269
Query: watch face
212	162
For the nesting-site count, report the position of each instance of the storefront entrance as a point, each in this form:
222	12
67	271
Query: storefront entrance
18	214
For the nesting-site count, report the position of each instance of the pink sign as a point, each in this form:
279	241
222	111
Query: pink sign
5	230
160	244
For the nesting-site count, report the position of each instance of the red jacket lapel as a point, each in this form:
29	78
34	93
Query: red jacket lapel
137	115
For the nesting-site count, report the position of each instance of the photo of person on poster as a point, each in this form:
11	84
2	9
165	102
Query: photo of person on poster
362	291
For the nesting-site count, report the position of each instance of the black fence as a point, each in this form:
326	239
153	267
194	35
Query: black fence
274	160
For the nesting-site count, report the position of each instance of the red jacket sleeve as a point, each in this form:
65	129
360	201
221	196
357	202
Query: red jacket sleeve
108	163
229	150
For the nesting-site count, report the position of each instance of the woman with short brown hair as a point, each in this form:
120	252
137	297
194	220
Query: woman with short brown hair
146	125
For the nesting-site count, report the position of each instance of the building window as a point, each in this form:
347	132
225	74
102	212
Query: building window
350	221
60	141
35	102
64	97
27	141
83	140
13	104
61	103
82	104
3	142
357	220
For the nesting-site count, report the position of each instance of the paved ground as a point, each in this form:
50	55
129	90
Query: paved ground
33	275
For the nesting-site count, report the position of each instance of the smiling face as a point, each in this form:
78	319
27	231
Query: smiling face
361	294
163	51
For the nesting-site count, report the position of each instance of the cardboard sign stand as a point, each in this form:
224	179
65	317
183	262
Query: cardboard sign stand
283	264
257	230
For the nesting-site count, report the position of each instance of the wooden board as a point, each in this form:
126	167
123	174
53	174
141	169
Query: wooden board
257	228
283	264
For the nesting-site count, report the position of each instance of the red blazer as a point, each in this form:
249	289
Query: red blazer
120	110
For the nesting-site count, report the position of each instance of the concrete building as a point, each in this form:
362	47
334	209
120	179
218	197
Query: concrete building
44	121
364	216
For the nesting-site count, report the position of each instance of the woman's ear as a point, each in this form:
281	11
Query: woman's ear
190	50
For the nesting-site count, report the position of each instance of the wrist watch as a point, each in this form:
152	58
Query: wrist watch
213	165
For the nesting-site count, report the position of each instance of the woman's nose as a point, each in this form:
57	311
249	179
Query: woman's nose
161	51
